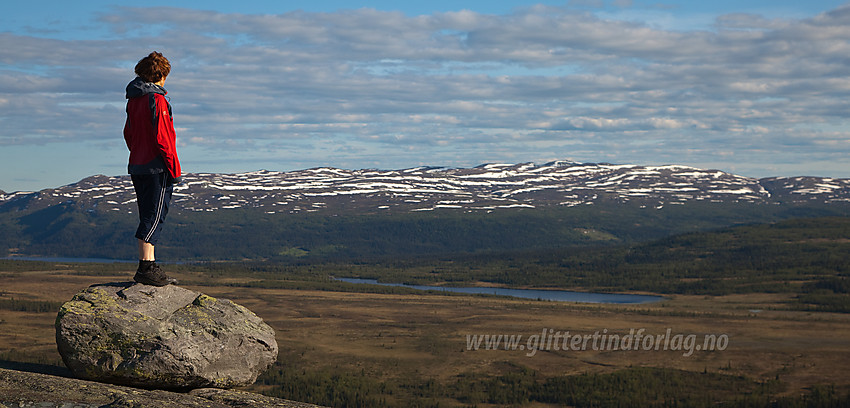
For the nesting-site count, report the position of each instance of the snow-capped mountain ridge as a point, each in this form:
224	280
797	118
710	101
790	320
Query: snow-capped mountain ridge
486	187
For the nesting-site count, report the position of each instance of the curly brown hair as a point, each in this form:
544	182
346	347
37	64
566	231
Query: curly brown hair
153	68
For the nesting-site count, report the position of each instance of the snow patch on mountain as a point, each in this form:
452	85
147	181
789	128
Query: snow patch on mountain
487	187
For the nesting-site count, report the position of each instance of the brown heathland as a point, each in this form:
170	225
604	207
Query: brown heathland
425	336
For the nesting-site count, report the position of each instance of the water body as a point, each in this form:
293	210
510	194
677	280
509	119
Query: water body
65	260
80	260
554	295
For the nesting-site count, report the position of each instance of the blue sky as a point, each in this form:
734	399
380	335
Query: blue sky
757	88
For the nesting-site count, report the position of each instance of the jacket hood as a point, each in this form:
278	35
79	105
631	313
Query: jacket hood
138	87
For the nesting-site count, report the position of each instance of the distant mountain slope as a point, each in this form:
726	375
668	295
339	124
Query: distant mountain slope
483	188
327	212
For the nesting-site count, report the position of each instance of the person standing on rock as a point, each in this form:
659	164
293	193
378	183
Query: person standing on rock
154	166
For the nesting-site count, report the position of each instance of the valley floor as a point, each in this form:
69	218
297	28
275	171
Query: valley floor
409	341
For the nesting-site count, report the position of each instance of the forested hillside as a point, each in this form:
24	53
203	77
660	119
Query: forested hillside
807	257
233	234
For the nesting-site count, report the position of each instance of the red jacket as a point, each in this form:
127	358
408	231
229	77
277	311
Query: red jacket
149	130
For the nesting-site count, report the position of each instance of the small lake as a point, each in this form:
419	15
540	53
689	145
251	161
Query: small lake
554	295
60	259
64	260
541	294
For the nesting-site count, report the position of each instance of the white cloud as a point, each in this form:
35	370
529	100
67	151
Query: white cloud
453	88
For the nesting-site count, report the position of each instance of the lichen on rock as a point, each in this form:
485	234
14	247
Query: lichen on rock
162	337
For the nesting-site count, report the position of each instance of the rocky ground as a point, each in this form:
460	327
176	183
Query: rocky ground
19	389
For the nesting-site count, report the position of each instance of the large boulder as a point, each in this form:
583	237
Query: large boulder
162	337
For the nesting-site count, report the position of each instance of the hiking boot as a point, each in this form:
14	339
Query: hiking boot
149	273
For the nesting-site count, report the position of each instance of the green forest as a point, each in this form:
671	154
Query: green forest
239	234
633	387
808	257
